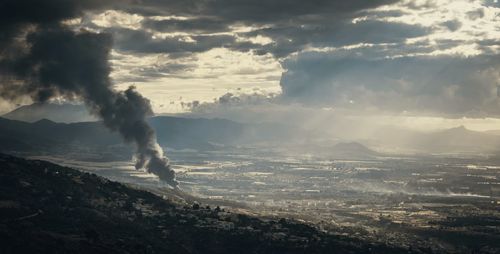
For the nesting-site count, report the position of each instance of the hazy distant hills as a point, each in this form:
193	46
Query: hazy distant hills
35	132
208	134
453	140
493	132
63	113
91	140
461	139
48	136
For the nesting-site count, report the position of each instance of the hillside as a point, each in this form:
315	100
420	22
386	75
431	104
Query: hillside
45	208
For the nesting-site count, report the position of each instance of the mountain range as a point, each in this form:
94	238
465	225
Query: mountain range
35	127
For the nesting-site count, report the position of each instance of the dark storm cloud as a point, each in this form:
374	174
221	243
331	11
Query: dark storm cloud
361	77
446	85
43	59
16	15
292	25
47	11
254	12
289	39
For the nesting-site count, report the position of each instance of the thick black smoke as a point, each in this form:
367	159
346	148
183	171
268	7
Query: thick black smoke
42	58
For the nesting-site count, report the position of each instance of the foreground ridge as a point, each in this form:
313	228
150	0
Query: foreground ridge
46	208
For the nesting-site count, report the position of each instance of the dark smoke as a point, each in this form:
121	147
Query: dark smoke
44	59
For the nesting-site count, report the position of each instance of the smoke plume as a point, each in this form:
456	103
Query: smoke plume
42	58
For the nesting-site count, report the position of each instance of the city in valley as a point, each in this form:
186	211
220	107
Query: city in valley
433	200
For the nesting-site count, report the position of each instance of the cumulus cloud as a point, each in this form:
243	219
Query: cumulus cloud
231	101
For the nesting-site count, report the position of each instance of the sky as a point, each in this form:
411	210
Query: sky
422	63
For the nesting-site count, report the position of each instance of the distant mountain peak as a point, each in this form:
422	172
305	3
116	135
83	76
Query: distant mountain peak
351	145
44	121
461	127
353	149
458	129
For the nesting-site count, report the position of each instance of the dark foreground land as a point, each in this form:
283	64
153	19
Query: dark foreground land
46	208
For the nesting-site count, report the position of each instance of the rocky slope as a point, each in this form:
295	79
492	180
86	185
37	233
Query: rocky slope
45	208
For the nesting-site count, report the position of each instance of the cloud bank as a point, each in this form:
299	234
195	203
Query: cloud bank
428	57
